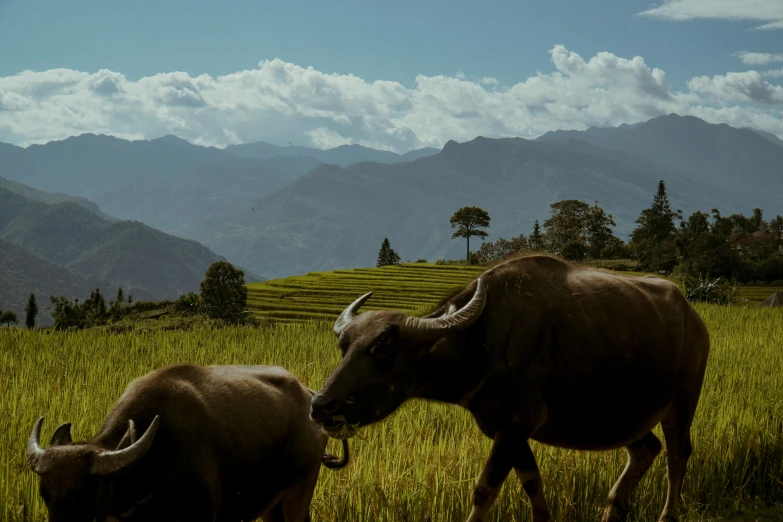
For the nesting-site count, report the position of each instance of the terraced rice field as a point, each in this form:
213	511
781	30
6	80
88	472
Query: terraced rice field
407	288
757	294
410	288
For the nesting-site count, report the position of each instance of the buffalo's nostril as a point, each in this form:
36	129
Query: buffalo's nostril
323	406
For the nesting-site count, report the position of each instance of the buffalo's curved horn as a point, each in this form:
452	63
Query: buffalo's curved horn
453	319
349	313
113	461
34	451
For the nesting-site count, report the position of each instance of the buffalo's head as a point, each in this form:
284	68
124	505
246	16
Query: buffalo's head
73	477
383	358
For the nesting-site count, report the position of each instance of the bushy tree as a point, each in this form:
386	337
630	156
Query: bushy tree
66	313
387	255
223	292
500	249
94	310
652	241
8	318
577	230
703	248
31	312
72	314
470	220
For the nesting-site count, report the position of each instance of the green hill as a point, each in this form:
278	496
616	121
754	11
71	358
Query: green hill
22	272
47	197
63	248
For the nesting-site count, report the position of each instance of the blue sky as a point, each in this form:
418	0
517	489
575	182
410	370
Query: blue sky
508	41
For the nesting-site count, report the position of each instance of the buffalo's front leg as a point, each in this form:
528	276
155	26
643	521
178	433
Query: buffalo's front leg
509	452
527	470
496	469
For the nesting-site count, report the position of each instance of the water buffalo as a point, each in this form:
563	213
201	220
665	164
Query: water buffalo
219	443
535	348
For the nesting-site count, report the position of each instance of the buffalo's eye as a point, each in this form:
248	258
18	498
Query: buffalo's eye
382	348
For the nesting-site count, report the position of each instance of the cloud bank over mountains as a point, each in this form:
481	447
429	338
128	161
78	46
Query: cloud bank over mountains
281	102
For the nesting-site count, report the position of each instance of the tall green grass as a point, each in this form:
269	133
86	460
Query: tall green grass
420	464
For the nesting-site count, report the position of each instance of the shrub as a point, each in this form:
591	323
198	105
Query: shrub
188	304
703	289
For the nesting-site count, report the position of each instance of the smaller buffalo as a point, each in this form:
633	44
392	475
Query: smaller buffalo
217	444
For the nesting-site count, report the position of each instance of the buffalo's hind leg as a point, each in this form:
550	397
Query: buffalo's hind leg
641	455
274	513
677	433
296	501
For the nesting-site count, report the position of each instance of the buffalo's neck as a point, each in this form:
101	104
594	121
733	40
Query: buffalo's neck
134	487
452	370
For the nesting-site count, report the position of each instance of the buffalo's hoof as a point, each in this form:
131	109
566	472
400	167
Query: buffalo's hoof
614	514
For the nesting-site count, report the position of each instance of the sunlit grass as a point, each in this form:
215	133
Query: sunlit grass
419	465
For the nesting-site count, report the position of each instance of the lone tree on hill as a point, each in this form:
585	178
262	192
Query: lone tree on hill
387	255
223	292
31	311
470	219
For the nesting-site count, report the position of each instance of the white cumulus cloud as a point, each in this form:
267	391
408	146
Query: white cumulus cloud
281	102
768	11
747	86
749	58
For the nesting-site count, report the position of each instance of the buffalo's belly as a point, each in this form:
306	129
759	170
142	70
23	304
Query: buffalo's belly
248	501
246	497
607	415
600	432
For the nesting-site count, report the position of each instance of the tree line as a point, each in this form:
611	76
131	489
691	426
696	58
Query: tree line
737	247
222	296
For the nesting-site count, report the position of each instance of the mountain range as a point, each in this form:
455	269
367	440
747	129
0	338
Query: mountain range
169	183
279	211
343	155
336	217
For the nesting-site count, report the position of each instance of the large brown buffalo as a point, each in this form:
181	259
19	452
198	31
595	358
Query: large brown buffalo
535	348
218	443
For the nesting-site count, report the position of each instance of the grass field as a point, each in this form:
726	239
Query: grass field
418	465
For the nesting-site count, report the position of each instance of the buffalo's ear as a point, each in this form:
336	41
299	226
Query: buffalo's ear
391	334
62	435
129	437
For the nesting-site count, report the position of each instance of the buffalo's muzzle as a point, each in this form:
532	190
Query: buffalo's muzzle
322	408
